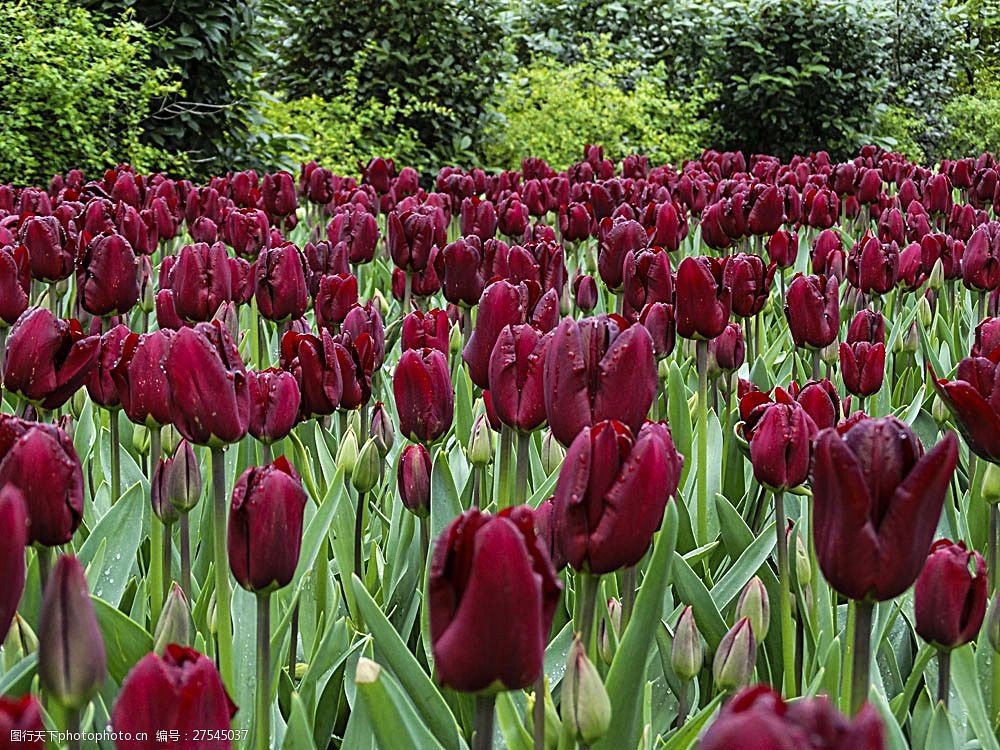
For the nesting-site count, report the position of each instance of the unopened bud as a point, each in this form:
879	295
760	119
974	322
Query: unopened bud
936	280
687	654
140	438
366	468
586	706
754	605
991	483
481	442
455	340
382	430
736	657
552	453
347	455
603	640
174	625
993	623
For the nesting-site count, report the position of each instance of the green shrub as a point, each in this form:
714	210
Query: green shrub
901	129
974	124
551	110
74	91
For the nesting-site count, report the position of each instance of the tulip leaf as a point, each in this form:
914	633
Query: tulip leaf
120	530
395	723
940	733
125	642
445	502
691	590
967	685
427	699
298	735
510	724
463	406
627	674
685	737
730	585
680	417
17	681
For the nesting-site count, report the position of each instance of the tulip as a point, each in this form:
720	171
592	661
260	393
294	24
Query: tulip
177	481
820	400
207	380
612	492
14	521
862	366
575	222
265	526
812	307
949	601
413	478
974	399
378	173
727	351
783	248
71	660
280	290
757	718
516	377
425	400
180	691
274	404
40	461
596	371
780	437
646	277
736	657
502	304
201	280
618	238
367	319
15	284
107	276
512	216
755	606
48	359
23	715
873	266
335	296
50	250
141	381
585	292
981	261
247	231
478	218
767	212
459	266
703	300
686	652
987	338
492	594
426	330
411	237
314	362
101	385
749	283
868	326
586	706
278	194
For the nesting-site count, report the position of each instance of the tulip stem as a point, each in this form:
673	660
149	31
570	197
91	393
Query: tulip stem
587	586
682	703
630	578
523	468
116	459
482	739
944	675
538	712
407	291
702	478
785	601
185	533
861	662
155	570
263	671
991	551
168	559
359	525
815	364
223	594
506	457
73	728
293	645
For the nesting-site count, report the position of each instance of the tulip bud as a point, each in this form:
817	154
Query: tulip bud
21	641
169	439
366	469
830	354
603	641
552	726
993	623
586	706
140	439
77	402
924	312
552	453
347	455
481	442
71	659
686	653
754	605
936	279
455	340
940	411
413	477
803	566
382	430
174	625
735	659
991	483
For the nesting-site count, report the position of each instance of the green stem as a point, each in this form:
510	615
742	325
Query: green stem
168	559
995	694
116	459
630	577
73	728
293	644
862	654
322	578
784	577
506	458
944	675
359	525
702	477
992	544
587	591
482	739
848	671
407	291
223	592
156	536
523	468
185	533
263	713
815	364
425	537
682	703
538	713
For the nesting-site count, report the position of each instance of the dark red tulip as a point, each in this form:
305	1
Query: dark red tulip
413	477
358	230
703	301
204	230
132	225
981	261
516	376
324	259
658	320
280	290
828	253
575	222
23	715
866	325
207	380
727	351
949	600
767	212
335	296
478	218
749	282
891	227
783	248
911	271
425	400
278	193
611	494
411	237
356	359
201	280
618	238
665	225
812	307
492	595
141	382
179	692
757	718
862	366
820	207
780	437
502	304
877	498
934	247
107	276
274	404
379	173
822	403
314	363
647	278
987	338
937	194
873	266
247	231
14	525
459	266
366	319
48	359
265	526
50	252
585	292
536	196
512	216
594	371
15	283
426	330
101	385
974	400
712	231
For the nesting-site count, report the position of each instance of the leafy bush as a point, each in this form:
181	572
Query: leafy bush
550	110
796	76
974	124
74	91
901	129
446	53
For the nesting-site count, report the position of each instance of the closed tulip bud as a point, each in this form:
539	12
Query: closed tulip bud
603	640
754	605
780	437
335	296
201	280
382	430
702	304
868	326
993	624
516	377
413	478
274	404
991	484
347	454
107	276
177	481
22	717
862	366
140	440
586	705
937	278
727	351
924	312
803	566
749	282
174	625
426	330
502	304
492	594
14	523
585	292
783	248
265	526
480	449
949	599
71	660
425	400
552	453
812	308
366	469
974	400
736	657
180	691
687	653
50	250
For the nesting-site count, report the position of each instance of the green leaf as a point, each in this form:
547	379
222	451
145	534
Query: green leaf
463	406
685	737
967	685
298	735
940	734
511	724
445	501
125	642
120	532
680	416
691	590
395	723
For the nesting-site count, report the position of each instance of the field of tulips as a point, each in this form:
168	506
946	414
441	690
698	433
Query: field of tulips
626	456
